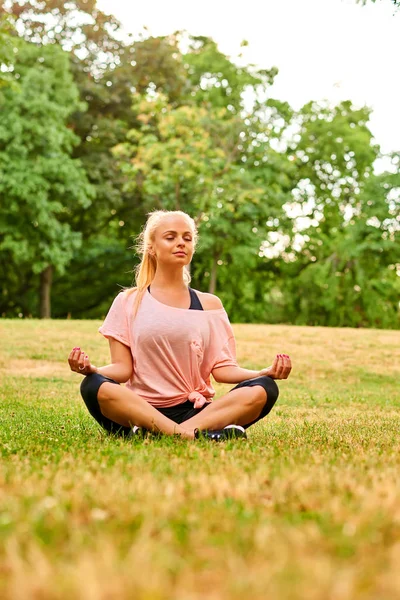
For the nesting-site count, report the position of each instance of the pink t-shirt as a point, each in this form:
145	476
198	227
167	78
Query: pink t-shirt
174	350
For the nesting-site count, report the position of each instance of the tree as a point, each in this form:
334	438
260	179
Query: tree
345	271
39	181
104	82
6	51
217	81
192	158
193	142
77	26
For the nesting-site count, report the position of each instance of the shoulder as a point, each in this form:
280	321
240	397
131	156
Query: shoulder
126	293
122	299
209	301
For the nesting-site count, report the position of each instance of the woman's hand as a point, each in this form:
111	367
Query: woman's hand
280	368
79	362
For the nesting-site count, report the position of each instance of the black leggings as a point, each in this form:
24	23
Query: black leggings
178	413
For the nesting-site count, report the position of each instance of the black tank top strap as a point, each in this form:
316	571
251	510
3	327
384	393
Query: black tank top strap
195	303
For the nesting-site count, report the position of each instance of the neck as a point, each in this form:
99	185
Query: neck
171	280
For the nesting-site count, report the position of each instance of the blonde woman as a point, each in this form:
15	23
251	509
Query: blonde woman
166	340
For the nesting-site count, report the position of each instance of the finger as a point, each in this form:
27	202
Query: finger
283	373
285	366
288	365
76	355
72	359
86	364
81	360
279	369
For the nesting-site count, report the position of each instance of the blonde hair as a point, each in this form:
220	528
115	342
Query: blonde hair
146	269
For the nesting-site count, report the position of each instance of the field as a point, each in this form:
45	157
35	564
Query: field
308	507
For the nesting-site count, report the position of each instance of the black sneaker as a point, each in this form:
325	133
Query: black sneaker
219	435
136	432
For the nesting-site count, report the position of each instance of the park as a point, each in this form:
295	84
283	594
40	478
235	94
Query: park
296	214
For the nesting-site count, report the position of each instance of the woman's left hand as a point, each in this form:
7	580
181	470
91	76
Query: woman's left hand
280	369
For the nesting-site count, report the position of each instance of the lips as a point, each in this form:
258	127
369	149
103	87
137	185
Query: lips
180	253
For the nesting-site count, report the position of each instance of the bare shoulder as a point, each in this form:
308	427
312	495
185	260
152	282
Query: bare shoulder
209	301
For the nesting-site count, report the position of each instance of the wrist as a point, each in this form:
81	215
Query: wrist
266	372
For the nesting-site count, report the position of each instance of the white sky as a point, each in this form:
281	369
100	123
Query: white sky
324	49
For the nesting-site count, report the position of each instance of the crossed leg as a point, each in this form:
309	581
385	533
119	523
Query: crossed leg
123	406
240	406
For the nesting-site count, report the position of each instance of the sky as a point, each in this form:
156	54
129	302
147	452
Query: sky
324	49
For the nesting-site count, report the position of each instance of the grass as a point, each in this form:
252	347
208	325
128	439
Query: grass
308	507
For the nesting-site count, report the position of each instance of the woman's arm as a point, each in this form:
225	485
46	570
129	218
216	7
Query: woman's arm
280	369
120	369
225	374
233	374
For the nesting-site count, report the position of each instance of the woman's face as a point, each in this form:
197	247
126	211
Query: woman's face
173	242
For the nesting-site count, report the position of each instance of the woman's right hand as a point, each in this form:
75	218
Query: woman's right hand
79	362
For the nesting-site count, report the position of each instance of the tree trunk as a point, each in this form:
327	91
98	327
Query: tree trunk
213	276
46	278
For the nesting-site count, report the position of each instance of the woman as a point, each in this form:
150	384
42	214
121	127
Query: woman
166	339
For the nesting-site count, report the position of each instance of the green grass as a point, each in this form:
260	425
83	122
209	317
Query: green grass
308	507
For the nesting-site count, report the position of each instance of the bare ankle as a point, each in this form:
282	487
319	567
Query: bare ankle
187	434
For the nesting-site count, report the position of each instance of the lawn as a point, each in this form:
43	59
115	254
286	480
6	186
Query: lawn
308	507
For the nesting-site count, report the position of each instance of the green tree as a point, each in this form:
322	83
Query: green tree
100	65
351	277
345	272
39	181
217	81
192	158
77	26
201	76
6	51
203	150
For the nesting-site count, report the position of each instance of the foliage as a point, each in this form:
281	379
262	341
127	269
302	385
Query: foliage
97	121
294	224
6	51
345	272
39	181
76	25
191	159
217	81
